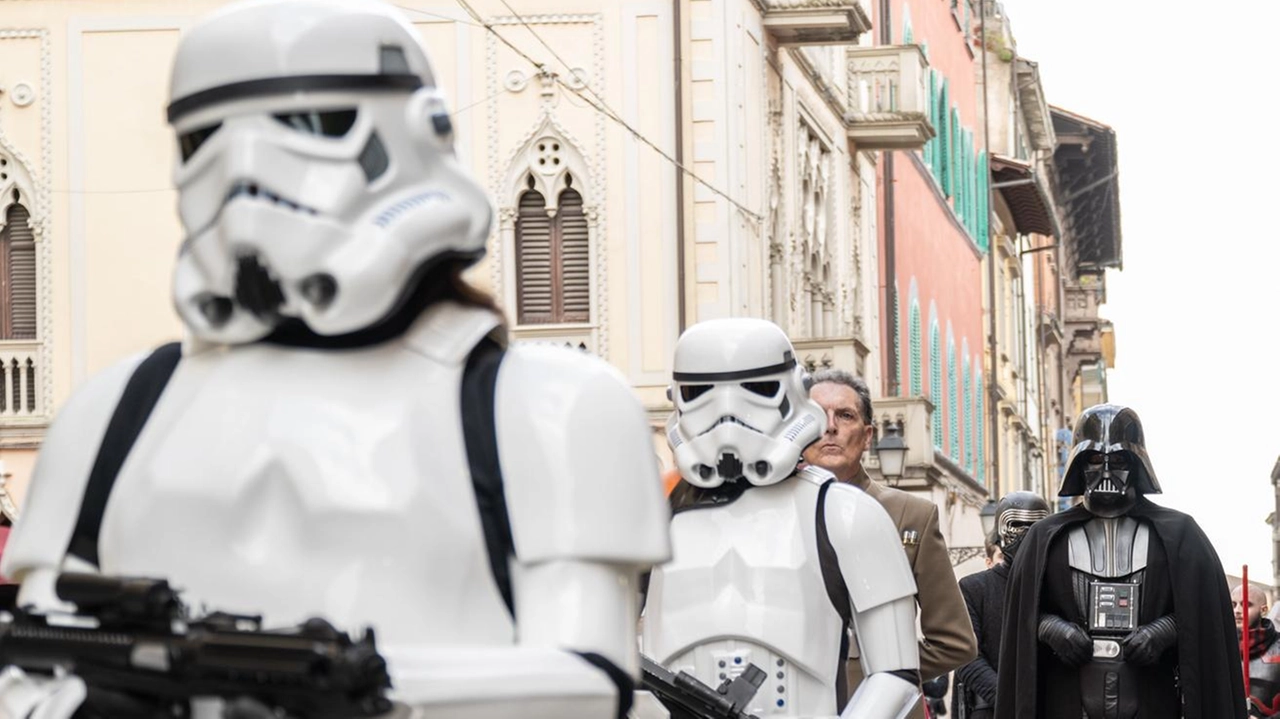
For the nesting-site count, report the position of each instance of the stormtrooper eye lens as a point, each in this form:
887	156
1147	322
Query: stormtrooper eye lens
690	392
189	142
764	389
330	123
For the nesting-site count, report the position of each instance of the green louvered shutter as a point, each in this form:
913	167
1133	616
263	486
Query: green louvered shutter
929	146
953	399
968	408
984	200
917	370
935	377
980	438
944	134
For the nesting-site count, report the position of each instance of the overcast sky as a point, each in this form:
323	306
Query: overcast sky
1187	88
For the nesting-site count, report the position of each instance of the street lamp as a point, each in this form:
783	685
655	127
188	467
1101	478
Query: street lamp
892	451
988	518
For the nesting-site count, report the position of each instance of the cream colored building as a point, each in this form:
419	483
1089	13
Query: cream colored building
578	148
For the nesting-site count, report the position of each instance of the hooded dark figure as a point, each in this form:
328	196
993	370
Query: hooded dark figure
1118	608
975	694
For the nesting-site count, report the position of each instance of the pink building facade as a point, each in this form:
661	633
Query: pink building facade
933	231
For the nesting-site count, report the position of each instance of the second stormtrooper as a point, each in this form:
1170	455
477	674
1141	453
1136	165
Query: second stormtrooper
773	565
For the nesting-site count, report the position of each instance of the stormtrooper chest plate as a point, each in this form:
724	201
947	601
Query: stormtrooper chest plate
745	587
298	483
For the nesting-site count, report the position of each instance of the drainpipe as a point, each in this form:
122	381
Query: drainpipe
890	259
993	379
678	70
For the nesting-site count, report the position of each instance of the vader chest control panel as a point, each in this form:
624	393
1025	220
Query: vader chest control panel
1113	607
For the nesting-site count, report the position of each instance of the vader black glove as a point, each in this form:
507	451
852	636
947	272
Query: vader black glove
1145	644
1067	639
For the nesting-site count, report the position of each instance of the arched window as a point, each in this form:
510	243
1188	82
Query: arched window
553	278
917	370
953	400
935	375
17	274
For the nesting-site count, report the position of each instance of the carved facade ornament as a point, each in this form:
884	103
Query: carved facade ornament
31	180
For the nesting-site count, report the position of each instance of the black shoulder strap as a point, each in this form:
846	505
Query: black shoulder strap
837	591
141	393
480	433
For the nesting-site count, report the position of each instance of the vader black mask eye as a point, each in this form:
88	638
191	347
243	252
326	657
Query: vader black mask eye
329	123
189	142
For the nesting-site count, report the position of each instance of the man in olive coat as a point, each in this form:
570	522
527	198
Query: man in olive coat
948	640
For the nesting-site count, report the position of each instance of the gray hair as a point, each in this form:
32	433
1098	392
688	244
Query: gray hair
839	376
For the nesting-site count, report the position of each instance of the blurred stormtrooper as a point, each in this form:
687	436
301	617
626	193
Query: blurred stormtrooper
345	433
772	565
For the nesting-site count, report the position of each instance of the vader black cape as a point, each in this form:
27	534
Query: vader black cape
1209	669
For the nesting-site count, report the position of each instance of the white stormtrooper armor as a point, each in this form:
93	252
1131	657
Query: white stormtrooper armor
307	457
768	562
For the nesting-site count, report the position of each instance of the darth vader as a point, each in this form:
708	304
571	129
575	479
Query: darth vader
1119	608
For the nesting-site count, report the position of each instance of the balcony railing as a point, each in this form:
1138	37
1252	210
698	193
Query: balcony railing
888	98
19	376
815	22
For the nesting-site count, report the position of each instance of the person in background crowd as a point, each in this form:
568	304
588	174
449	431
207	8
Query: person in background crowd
994	555
948	637
1263	652
984	595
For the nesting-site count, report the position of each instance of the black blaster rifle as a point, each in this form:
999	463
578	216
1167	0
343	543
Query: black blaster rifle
687	698
141	656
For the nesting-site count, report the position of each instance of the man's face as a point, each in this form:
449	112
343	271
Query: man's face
839	450
1257	606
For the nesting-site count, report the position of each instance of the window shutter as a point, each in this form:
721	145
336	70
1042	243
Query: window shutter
917	382
935	380
968	411
980	439
953	401
575	259
535	292
944	137
19	266
930	146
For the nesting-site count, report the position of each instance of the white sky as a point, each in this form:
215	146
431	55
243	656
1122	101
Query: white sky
1187	87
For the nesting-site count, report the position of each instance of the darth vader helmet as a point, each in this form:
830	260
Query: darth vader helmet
1109	463
1015	513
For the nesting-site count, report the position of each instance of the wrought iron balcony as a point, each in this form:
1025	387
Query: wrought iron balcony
815	22
888	98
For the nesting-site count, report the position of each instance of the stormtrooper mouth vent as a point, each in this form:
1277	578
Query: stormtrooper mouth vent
252	189
729	419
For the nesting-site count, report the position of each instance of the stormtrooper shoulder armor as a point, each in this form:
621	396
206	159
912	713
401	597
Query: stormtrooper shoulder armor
866	542
68	453
579	470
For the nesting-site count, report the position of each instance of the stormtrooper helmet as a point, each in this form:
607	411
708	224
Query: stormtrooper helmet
316	176
742	407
